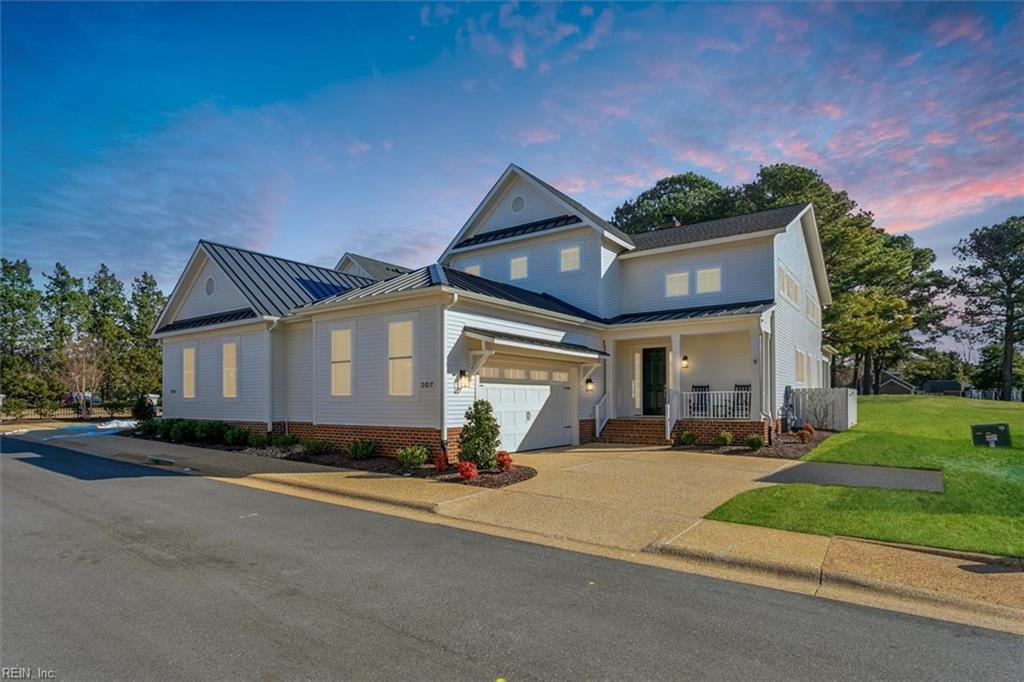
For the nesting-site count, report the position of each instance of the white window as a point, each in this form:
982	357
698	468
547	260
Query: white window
788	286
490	372
813	310
538	374
341	362
519	267
513	373
188	372
709	280
400	344
677	284
569	259
229	369
800	365
472	270
560	377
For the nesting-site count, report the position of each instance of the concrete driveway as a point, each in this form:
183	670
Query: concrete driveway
625	497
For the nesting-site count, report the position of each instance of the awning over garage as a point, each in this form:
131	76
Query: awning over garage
541	347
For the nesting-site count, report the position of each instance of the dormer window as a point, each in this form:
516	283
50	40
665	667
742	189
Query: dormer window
472	270
519	267
709	280
569	259
677	284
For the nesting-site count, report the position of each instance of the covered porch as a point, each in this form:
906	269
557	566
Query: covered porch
675	374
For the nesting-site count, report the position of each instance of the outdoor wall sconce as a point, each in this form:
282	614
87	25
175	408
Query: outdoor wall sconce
589	385
685	362
462	382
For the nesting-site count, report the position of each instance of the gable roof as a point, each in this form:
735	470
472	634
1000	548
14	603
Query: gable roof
893	378
377	269
748	223
519	230
207	320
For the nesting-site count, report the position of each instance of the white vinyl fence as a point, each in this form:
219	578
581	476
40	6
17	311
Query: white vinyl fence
832	409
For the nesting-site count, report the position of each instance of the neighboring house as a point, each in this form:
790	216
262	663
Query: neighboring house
890	383
943	386
572	329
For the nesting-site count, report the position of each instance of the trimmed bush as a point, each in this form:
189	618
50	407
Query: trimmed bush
211	432
362	448
808	428
142	409
480	436
505	461
723	438
803	435
149	427
15	408
317	447
686	438
258	440
285	441
467	470
184	431
163	429
236	437
412	456
440	462
754	442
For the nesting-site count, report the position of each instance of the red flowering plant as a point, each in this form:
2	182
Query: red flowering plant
504	461
467	470
441	462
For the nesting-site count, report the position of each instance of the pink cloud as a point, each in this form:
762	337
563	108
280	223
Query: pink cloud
721	44
517	55
572	184
948	29
538	135
615	110
358	148
829	110
936	137
909	60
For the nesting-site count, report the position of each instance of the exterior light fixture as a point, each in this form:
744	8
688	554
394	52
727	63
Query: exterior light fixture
463	381
589	384
685	362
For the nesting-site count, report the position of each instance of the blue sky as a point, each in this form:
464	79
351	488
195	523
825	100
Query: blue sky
132	130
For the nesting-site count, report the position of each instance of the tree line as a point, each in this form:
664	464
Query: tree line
77	335
890	302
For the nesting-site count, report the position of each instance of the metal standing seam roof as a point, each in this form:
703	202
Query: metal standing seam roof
378	269
519	230
207	320
547	343
275	286
771	219
748	308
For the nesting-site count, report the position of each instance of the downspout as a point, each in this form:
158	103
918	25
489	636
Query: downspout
270	377
443	385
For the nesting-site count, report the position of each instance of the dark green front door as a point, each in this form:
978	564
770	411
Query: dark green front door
654	381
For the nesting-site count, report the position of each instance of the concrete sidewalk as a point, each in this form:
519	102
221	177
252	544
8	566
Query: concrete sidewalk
638	504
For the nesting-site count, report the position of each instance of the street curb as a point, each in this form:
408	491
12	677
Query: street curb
824	577
431	507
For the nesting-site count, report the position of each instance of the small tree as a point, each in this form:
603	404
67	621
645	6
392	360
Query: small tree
480	436
82	365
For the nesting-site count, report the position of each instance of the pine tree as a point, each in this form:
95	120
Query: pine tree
21	332
108	324
65	309
144	359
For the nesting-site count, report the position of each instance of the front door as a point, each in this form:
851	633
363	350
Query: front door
654	381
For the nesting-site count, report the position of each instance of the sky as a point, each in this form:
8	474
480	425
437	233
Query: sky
130	131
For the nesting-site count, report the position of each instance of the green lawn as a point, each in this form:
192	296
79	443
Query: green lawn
982	508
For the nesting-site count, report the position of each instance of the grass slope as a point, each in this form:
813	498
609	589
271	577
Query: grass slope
982	508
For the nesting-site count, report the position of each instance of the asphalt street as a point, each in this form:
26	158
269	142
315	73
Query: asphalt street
116	571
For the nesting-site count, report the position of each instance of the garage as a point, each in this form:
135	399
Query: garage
533	404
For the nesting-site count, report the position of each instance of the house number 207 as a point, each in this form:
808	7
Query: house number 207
426	384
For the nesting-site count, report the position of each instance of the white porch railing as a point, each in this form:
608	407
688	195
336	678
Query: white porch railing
714	405
600	415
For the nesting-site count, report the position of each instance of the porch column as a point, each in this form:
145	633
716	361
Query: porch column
610	387
676	372
757	371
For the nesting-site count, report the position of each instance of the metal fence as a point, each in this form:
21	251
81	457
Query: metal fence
993	394
18	413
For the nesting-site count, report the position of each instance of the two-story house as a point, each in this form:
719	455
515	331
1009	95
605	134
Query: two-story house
572	329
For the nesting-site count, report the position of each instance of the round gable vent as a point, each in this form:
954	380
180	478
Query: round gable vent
210	286
517	204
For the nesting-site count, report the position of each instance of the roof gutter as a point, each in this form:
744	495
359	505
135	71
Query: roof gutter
443	383
214	327
270	373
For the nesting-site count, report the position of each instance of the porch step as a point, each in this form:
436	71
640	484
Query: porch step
635	431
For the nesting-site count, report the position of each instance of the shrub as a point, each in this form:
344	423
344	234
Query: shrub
808	428
754	441
15	408
115	407
467	470
163	429
317	447
804	436
440	462
723	438
412	456
48	408
505	461
236	437
480	435
149	427
142	409
258	440
686	438
285	441
362	448
184	431
211	432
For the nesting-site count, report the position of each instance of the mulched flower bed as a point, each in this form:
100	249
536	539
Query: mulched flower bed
487	478
786	446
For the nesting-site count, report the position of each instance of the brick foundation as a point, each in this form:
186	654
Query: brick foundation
646	431
587	427
707	429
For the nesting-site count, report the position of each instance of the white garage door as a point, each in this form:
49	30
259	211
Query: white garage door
531	405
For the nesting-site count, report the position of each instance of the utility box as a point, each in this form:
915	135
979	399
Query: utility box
991	435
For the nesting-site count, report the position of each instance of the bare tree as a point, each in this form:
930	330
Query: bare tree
82	362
